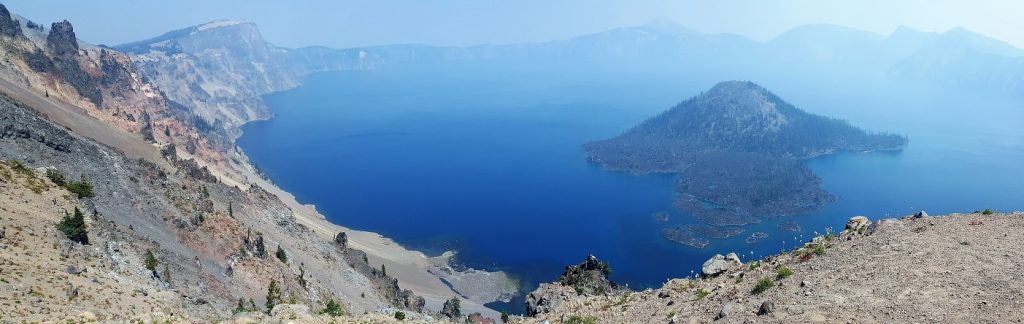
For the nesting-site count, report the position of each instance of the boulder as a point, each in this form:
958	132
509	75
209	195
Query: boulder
920	214
719	264
547	298
729	308
341	240
857	223
767	307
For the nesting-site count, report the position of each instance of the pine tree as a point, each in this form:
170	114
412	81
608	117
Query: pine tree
281	255
302	277
151	261
273	295
240	308
231	210
73	226
332	309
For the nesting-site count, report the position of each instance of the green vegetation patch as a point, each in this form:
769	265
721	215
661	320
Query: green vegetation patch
73	226
331	309
783	273
576	319
701	294
763	285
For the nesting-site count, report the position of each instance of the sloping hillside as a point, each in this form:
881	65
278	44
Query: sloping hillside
959	268
217	228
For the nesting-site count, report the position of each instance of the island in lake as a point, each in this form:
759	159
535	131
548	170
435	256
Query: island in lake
739	151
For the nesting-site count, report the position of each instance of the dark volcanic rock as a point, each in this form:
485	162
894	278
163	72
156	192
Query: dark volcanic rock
72	72
38	61
589	277
767	307
452	308
255	245
341	239
8	26
113	71
62	40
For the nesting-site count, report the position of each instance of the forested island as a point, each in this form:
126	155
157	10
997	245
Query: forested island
738	149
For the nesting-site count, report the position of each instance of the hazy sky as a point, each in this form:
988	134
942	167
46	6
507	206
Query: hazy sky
351	23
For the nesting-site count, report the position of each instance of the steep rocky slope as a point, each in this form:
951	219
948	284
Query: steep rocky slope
51	65
215	224
950	269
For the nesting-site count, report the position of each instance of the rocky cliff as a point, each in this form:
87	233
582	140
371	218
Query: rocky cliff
167	185
105	85
200	232
220	69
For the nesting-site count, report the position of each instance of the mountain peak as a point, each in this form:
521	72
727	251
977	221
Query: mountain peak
667	26
226	33
735	85
813	33
222	23
963	38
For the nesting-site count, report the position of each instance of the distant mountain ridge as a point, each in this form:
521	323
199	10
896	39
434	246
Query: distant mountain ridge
222	68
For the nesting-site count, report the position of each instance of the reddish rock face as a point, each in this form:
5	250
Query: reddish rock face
477	318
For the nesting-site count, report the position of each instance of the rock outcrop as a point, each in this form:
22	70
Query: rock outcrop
719	264
547	298
8	26
452	308
589	277
341	240
62	39
857	224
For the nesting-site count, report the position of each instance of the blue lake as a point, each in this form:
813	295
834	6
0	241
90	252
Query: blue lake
491	166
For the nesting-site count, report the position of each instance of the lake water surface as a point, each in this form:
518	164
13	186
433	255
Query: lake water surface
491	166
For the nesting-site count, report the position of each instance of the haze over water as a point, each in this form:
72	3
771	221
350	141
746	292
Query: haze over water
490	165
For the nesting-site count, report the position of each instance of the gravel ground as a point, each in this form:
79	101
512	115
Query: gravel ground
957	268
